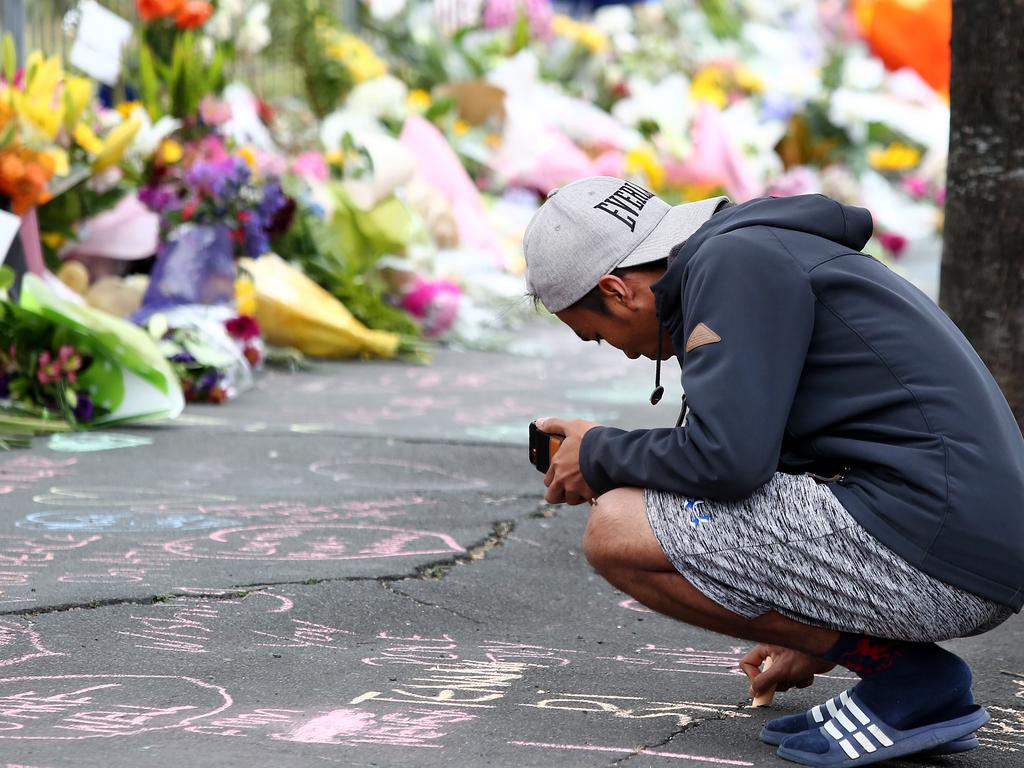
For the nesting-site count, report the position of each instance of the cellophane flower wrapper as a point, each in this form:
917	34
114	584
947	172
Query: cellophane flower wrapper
129	379
211	363
195	266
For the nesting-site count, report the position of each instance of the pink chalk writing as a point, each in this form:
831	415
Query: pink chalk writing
19	474
306	634
314	542
409	728
185	629
20	641
260	719
70	707
633	751
632	605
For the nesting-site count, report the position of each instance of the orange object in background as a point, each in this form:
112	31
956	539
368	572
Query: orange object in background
910	33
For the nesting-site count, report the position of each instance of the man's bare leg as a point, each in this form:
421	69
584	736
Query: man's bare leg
621	546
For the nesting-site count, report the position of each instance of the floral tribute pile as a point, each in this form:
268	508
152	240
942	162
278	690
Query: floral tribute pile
209	227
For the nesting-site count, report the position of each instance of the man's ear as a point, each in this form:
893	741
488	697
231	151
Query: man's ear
615	290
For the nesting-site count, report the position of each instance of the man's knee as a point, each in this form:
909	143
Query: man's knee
607	538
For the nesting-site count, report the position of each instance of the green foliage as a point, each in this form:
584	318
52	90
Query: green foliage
10	58
175	85
724	20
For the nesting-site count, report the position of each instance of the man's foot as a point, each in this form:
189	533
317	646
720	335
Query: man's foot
776	730
857	735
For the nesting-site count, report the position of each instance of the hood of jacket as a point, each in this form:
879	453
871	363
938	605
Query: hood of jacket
812	214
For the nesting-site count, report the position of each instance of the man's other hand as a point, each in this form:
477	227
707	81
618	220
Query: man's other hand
564	479
789	669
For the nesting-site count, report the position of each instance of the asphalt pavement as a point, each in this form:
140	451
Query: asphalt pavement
355	566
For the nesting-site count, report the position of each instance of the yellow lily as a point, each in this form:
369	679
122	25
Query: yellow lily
86	138
115	145
79	94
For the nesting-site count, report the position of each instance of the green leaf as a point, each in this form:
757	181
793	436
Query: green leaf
10	56
149	82
6	277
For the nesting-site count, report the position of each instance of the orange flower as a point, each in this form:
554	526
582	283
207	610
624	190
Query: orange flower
24	176
150	10
192	14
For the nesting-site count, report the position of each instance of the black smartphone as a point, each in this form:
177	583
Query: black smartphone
543	447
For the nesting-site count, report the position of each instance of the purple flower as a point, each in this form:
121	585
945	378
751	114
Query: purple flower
208	381
84	409
157	198
182	357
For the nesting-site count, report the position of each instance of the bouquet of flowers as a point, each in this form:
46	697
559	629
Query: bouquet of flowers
213	350
63	365
50	138
217	188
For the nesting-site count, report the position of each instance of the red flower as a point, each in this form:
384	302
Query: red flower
192	14
150	10
264	111
243	327
217	395
189	210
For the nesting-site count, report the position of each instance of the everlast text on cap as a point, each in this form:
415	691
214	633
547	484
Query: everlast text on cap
626	203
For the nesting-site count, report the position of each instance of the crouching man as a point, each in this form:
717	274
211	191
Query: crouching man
846	482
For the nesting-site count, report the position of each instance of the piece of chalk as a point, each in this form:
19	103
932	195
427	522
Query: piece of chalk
765	699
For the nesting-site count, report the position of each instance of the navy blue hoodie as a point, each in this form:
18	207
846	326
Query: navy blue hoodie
826	360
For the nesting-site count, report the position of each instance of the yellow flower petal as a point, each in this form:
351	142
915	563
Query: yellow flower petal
79	90
418	100
87	139
169	152
61	166
117	141
247	154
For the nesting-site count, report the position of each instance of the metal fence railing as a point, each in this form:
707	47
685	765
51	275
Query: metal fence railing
49	26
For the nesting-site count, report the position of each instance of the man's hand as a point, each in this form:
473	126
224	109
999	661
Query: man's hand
789	669
564	479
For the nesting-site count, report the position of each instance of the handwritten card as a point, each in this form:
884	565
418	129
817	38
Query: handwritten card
102	36
9	226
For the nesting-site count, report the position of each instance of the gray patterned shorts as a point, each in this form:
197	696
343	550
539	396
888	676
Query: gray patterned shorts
791	547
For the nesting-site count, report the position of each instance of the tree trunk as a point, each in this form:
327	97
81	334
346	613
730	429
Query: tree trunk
982	285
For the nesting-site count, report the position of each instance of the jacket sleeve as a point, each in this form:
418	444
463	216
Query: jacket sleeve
749	290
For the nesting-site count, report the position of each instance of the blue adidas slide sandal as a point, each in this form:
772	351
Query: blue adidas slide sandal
774	731
856	736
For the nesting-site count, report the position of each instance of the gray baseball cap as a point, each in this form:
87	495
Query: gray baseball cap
590	227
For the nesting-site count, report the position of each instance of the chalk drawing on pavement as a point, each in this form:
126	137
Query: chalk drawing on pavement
352	727
122	521
20	642
21	473
139	498
325	542
632	605
1005	731
89	442
72	707
393	474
